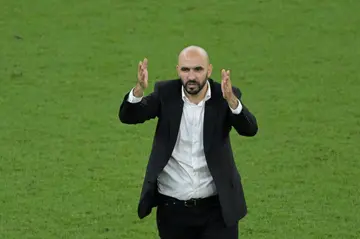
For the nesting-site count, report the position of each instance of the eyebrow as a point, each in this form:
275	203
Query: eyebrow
195	68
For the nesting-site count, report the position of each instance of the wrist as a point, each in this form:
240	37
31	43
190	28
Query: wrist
138	91
233	102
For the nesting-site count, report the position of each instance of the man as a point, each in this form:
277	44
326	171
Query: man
191	175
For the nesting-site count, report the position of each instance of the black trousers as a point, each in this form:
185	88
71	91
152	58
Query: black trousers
192	219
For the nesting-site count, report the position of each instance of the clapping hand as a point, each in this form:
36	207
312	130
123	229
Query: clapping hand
226	88
142	78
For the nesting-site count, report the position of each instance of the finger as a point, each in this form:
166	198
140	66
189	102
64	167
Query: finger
145	75
227	81
223	73
139	66
227	78
223	86
223	90
144	64
226	87
141	72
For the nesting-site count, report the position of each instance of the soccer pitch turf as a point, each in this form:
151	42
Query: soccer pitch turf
70	169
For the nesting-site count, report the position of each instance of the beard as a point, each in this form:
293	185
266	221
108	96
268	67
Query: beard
193	87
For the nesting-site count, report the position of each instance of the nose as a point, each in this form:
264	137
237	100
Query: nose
191	75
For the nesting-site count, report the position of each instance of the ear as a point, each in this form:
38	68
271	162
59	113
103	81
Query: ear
210	68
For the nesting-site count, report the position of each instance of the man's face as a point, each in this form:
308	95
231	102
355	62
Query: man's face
193	69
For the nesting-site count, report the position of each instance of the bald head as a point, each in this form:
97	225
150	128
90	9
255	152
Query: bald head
191	52
194	69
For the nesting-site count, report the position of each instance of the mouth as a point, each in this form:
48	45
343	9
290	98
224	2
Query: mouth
192	84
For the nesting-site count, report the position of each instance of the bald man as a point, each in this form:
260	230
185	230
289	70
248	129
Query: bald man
191	175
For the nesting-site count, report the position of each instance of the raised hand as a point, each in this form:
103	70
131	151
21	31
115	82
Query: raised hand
226	84
142	81
143	74
226	88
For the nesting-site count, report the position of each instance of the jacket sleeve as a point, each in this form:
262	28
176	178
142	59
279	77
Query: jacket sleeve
245	122
147	108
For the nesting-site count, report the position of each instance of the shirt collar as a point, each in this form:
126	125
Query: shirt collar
207	95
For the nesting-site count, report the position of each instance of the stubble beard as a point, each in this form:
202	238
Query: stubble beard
193	87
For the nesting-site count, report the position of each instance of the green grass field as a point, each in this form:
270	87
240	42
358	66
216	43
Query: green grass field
70	169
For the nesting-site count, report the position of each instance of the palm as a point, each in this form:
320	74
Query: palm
226	84
143	74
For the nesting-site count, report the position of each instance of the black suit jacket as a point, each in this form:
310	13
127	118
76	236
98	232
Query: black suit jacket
165	103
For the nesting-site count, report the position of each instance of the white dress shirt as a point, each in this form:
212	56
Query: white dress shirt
186	174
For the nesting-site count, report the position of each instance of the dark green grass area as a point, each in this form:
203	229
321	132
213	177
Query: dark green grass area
70	169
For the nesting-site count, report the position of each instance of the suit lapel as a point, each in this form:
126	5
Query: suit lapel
210	117
175	112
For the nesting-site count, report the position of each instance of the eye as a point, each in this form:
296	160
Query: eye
198	68
185	69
